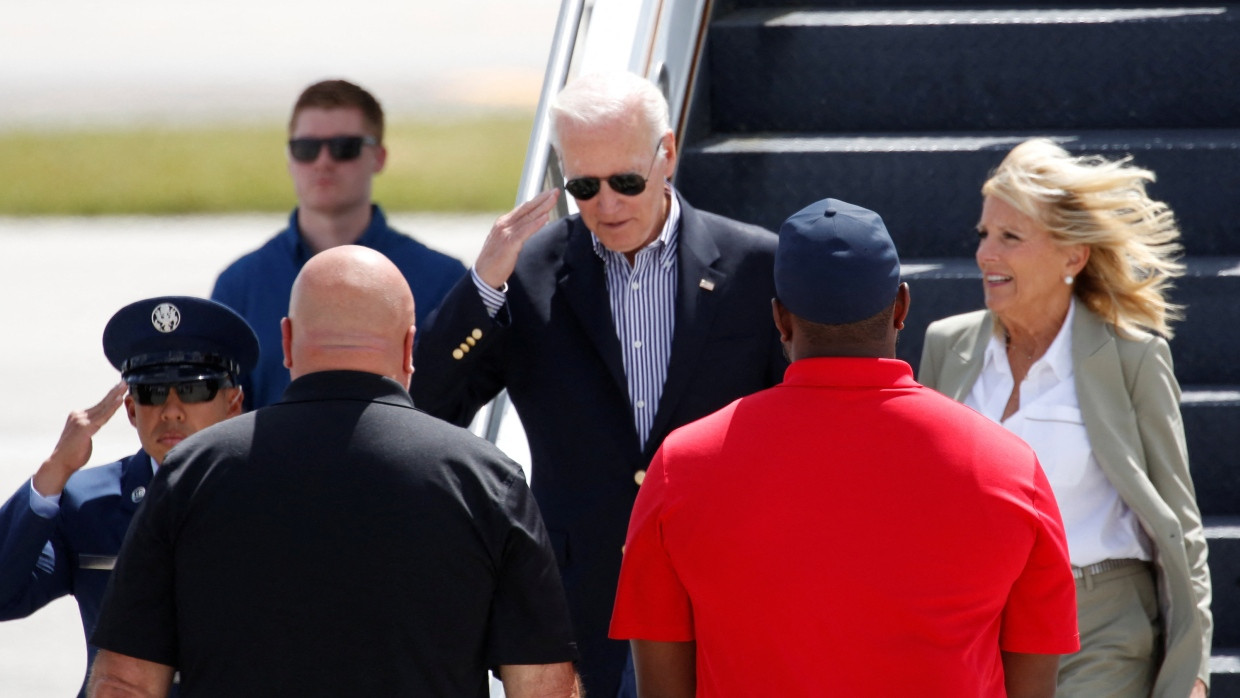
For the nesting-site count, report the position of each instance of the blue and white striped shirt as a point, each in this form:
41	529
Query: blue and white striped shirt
643	309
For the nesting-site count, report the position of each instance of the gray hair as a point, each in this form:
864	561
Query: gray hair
597	98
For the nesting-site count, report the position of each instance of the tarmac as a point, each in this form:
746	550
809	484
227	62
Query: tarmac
60	281
171	63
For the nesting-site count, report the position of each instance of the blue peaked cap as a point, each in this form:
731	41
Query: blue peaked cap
836	263
178	338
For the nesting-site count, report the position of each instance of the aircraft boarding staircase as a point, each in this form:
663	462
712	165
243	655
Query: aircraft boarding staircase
904	109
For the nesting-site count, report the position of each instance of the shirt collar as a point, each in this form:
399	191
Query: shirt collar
346	385
850	372
370	237
667	237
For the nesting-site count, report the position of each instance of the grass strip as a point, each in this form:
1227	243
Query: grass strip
465	164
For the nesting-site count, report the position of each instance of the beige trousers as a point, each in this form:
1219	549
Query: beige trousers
1121	636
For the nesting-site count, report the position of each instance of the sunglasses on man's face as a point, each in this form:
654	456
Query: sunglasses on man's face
341	148
628	184
189	392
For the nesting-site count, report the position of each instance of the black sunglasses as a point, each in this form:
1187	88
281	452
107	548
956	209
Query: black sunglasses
189	392
629	184
341	148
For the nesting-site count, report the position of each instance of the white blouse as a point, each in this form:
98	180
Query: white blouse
1098	524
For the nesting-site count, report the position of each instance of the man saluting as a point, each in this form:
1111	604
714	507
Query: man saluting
180	359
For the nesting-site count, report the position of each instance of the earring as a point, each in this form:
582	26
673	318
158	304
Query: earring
1068	279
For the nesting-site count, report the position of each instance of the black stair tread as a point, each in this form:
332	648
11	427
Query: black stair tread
809	16
730	6
1210	394
1225	660
1225	672
1097	141
1221	526
989	67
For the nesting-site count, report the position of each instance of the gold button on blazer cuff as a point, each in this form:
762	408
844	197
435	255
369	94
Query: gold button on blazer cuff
458	354
476	334
639	476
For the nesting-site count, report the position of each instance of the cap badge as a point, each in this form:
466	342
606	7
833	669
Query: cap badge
166	317
138	493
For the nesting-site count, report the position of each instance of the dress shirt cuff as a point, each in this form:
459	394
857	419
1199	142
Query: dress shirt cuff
44	507
493	299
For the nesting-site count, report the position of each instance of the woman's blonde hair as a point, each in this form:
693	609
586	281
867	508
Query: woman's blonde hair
1133	240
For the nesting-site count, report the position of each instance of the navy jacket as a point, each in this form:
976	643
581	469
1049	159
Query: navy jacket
554	347
258	284
73	552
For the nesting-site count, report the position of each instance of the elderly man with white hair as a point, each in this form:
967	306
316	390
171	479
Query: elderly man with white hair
609	329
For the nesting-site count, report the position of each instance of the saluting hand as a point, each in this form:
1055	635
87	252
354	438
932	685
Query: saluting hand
503	244
75	445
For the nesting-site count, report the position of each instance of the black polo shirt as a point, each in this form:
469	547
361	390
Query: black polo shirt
339	542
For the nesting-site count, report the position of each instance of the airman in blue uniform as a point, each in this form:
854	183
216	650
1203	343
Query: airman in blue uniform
180	360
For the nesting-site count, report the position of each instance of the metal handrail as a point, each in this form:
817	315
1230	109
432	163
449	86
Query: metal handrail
538	166
538	152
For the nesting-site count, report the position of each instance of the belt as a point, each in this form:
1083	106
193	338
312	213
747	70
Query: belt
1097	572
1105	566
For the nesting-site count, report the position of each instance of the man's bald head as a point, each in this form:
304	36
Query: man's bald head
350	309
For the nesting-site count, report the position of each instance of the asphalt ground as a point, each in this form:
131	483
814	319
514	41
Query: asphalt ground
60	281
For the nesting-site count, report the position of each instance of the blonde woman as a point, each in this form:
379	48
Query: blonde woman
1070	355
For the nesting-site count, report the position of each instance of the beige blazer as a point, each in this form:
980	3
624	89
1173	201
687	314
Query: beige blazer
1130	402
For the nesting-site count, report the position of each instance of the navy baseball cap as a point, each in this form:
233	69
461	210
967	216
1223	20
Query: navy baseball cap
836	263
172	339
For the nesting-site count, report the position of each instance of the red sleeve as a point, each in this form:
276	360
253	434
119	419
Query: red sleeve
651	601
1040	615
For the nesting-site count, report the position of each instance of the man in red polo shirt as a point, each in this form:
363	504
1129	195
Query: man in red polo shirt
849	531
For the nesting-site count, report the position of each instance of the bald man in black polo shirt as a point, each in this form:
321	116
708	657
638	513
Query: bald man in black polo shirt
339	542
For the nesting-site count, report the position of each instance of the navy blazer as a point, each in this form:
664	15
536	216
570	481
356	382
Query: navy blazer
554	347
73	552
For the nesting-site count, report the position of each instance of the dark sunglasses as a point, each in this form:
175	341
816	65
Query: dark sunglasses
341	148
629	184
189	392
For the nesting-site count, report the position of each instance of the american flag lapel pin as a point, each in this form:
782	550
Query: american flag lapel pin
706	284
